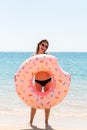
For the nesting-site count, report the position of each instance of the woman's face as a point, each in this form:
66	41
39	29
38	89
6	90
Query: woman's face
43	47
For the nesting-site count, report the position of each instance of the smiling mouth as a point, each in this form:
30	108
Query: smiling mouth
42	49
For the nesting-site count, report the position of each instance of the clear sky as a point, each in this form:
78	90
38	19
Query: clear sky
23	23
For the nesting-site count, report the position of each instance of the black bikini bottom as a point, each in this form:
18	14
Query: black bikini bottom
43	82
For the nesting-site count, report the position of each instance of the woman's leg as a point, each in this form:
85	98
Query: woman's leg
47	87
33	110
47	112
32	114
38	87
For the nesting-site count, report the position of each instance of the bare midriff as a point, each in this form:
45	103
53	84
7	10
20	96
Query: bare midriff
42	75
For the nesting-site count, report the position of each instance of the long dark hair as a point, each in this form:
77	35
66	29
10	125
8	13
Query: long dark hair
37	48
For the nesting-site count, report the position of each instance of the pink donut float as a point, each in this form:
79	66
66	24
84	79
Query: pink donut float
26	89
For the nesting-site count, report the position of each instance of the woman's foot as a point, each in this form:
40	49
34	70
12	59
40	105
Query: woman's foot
47	125
31	124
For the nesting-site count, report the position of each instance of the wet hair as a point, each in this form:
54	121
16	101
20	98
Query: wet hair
44	40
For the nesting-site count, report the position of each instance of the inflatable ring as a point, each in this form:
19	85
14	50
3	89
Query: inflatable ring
26	89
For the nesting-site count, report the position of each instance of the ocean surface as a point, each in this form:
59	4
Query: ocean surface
74	104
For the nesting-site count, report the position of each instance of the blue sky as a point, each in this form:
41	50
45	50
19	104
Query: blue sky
23	23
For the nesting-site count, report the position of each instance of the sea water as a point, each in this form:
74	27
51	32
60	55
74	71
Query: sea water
75	63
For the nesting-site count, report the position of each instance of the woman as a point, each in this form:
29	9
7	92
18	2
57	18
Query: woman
42	80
